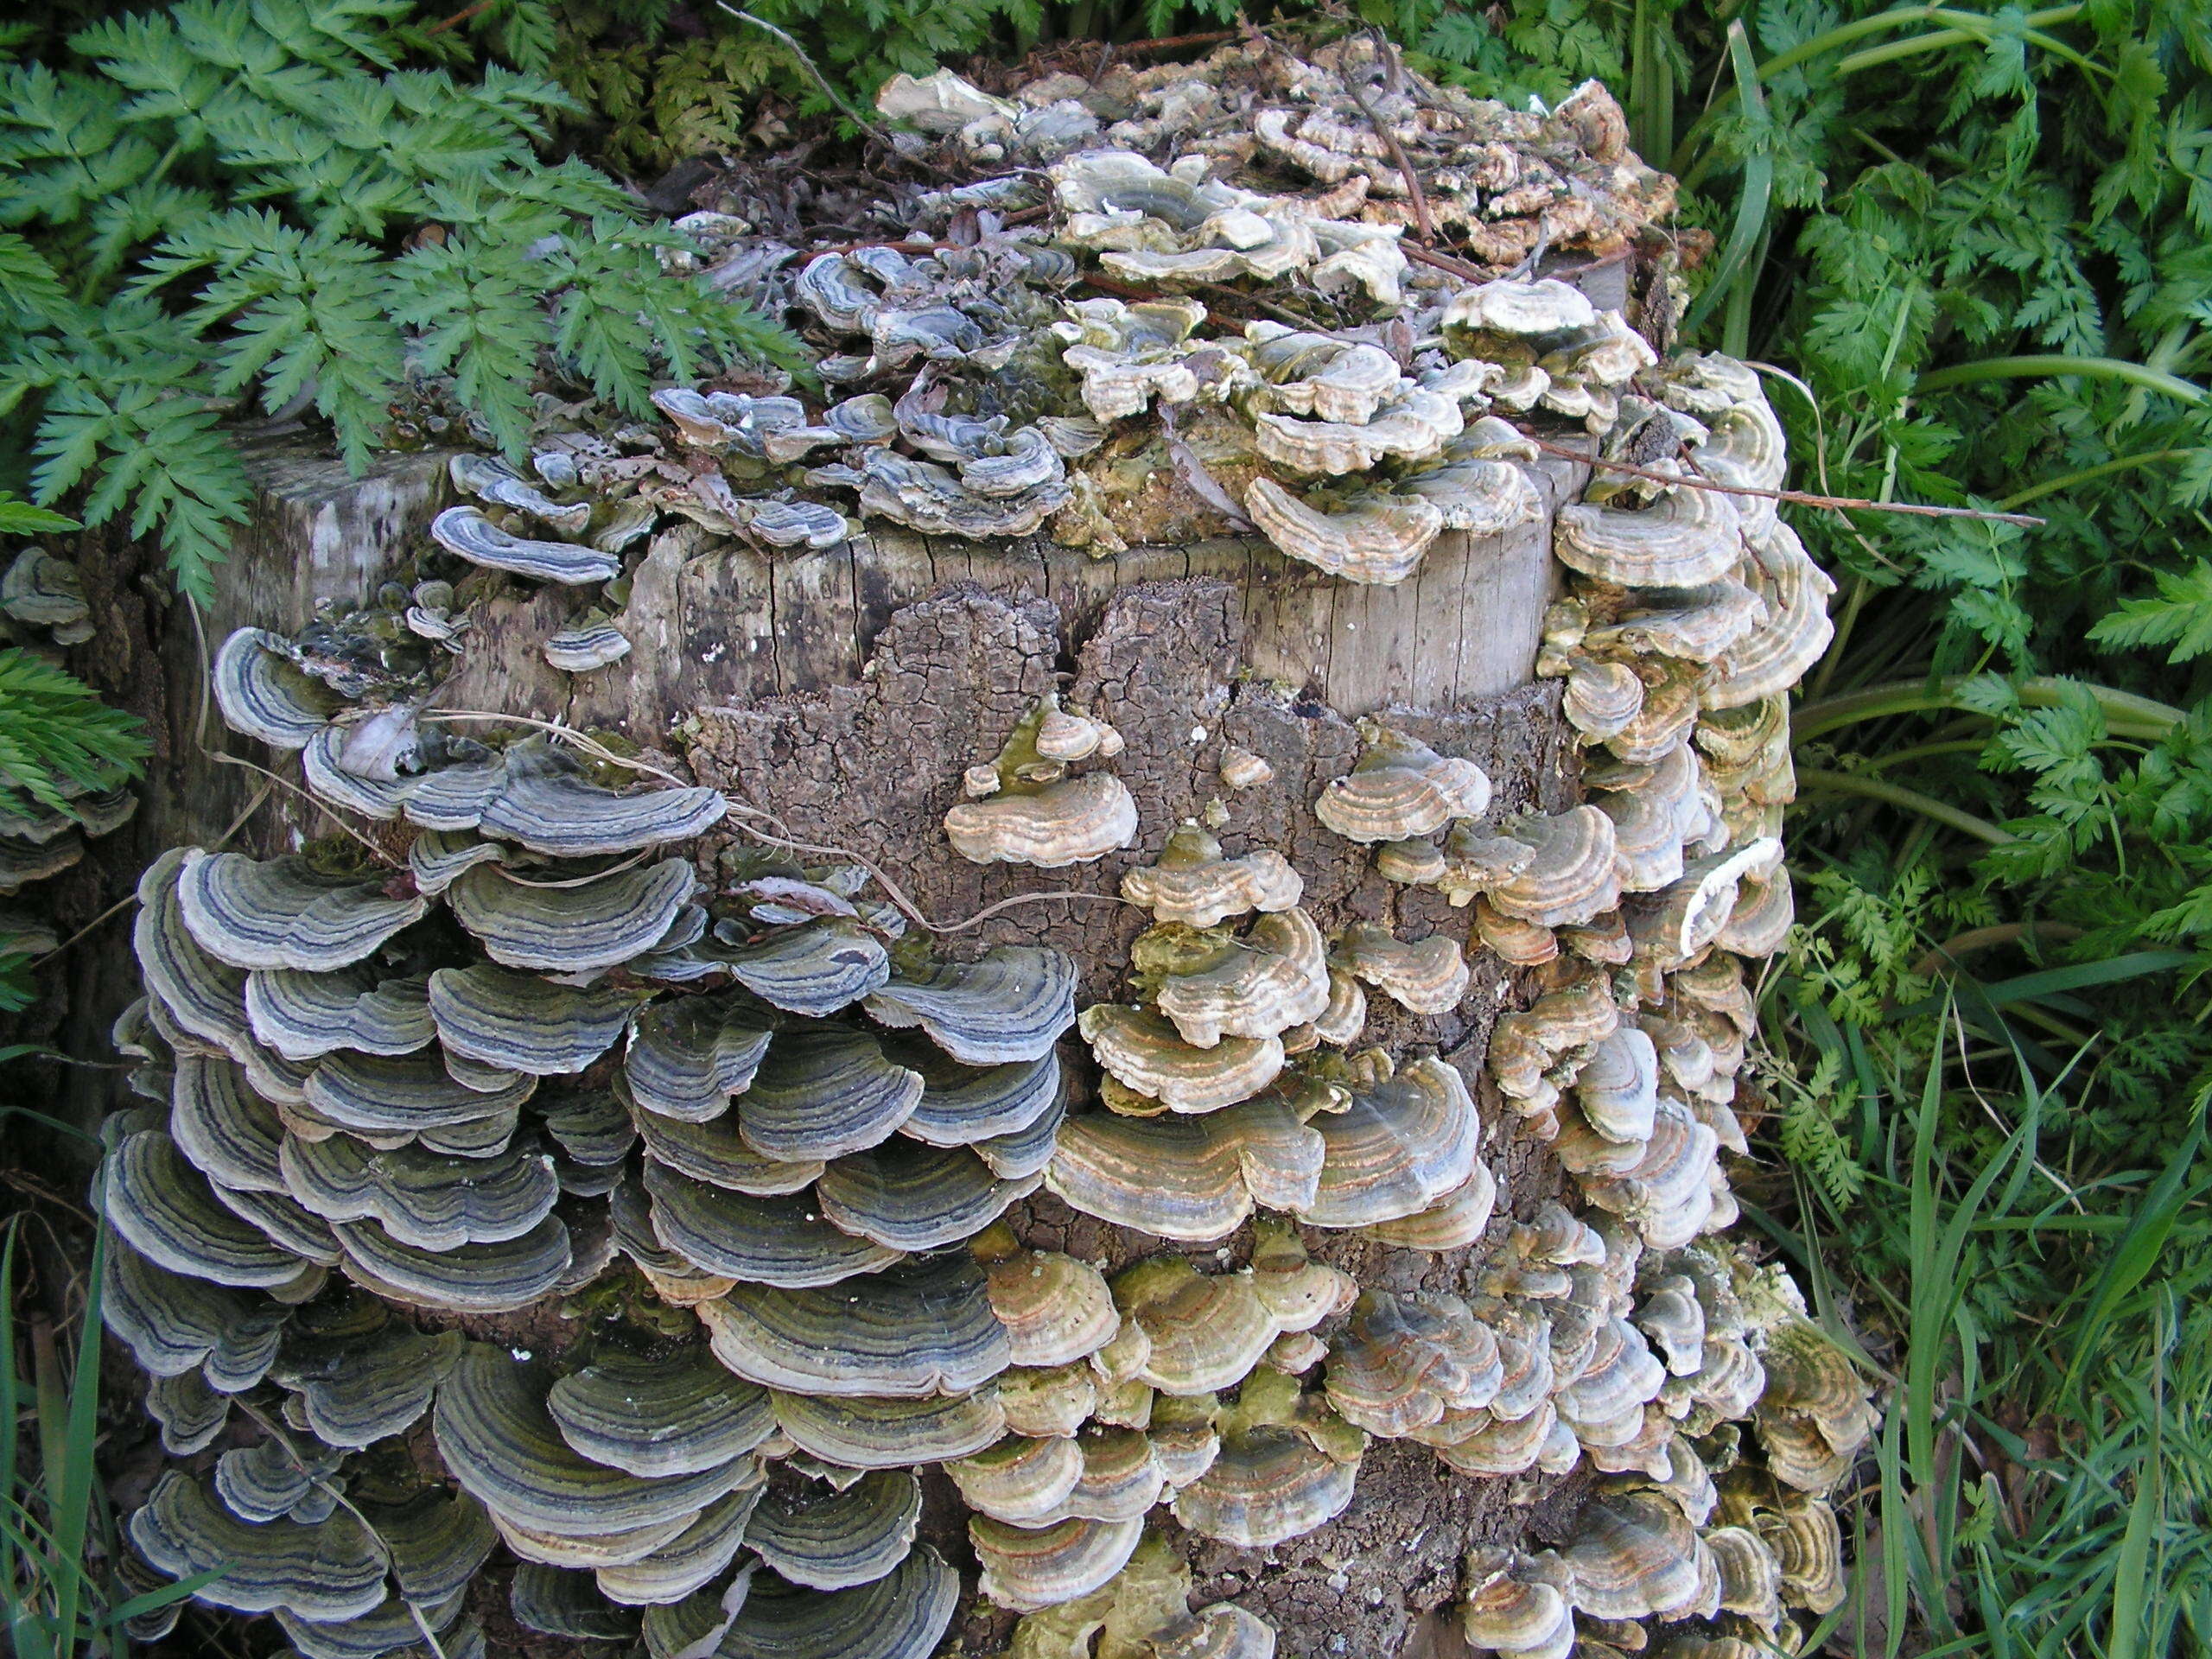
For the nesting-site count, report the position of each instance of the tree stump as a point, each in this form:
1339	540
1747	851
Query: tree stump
845	692
841	698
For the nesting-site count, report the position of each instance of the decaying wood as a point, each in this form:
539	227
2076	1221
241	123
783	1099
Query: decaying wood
725	625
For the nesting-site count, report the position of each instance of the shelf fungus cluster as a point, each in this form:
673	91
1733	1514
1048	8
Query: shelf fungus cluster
1719	1534
547	1210
1692	614
494	1077
1048	800
1076	344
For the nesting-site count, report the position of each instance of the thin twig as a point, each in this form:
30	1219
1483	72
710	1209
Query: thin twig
898	896
200	742
1127	290
1445	261
629	863
1394	66
915	248
460	17
780	837
1282	312
1131	291
560	733
1175	42
822	81
1795	498
23	1181
337	1496
115	909
1618	257
310	798
131	899
1423	222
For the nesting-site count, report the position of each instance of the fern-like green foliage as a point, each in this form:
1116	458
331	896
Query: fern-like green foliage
21	517
56	737
662	83
232	203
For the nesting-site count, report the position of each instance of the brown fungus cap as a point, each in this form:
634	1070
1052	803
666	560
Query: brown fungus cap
1551	870
1405	1360
1026	1569
1401	788
1072	822
1206	1332
1055	1309
1021	1480
1375	537
1634	1556
1193	883
1427	976
1256	987
1194	1180
1147	1054
1684	539
1287	1465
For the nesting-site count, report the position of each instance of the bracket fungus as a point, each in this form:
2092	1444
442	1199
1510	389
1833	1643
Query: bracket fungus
920	1329
1207	1332
1376	536
284	914
1193	1179
1423	976
572	930
263	694
1258	986
1148	1056
1400	790
1194	882
1401	1143
1010	1006
467	533
47	593
587	646
1026	809
700	1218
1288	1465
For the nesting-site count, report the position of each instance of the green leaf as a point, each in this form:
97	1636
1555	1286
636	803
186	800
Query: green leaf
56	737
2180	615
20	518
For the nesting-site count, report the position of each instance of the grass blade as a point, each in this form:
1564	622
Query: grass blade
2129	1576
2050	366
2137	1250
1897	1534
1749	229
153	1600
12	1572
74	1493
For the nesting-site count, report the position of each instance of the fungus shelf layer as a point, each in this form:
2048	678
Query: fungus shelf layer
1314	1151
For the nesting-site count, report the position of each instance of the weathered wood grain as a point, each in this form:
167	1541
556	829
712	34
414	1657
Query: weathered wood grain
712	623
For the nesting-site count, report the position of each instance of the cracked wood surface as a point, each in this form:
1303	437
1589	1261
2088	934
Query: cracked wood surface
712	622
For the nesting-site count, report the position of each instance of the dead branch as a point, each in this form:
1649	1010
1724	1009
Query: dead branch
1795	498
